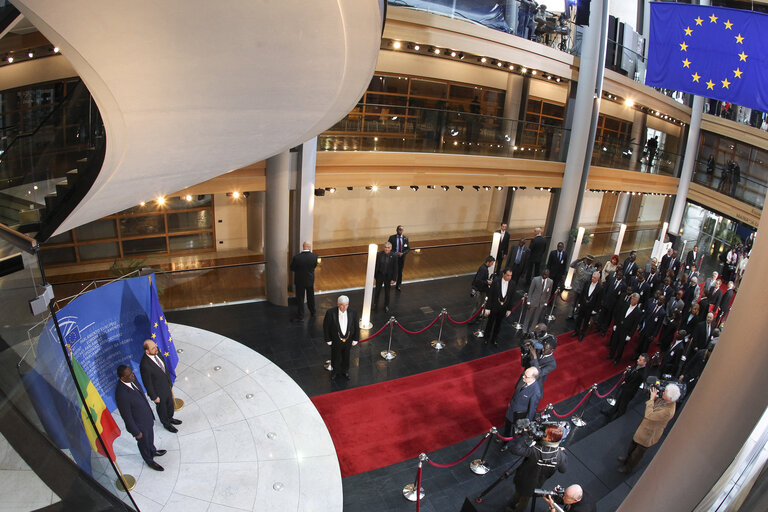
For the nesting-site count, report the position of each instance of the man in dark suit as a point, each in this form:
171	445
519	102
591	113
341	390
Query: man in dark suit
613	290
702	334
538	248
711	283
588	303
500	304
482	279
716	297
665	262
342	332
385	274
525	400
626	323
672	360
630	265
725	303
157	380
137	415
655	312
557	263
546	361
501	253
633	379
402	247
691	319
518	260
703	305
692	258
303	267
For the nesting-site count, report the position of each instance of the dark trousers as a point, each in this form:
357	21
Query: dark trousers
634	455
618	342
644	343
519	502
301	290
165	409
147	445
622	402
340	356
494	324
604	318
386	283
582	320
400	271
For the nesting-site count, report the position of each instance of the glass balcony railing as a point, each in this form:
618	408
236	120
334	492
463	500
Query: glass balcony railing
633	157
744	187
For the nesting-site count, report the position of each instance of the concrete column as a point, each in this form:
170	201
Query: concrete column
698	450
305	193
276	217
638	134
689	163
580	147
622	208
512	103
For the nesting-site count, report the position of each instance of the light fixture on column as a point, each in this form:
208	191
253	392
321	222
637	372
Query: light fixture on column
476	187
460	187
414	187
160	200
396	45
445	187
188	197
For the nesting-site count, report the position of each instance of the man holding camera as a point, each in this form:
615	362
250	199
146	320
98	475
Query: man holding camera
658	413
544	361
575	499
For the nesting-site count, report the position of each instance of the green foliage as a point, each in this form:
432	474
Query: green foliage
572	234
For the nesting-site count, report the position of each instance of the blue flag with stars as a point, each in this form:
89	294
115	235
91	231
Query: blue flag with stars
160	334
715	52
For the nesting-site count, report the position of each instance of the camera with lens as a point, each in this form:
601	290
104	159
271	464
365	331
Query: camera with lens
660	384
558	491
537	429
535	341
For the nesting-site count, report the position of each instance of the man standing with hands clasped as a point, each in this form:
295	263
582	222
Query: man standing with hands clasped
157	380
385	274
137	415
303	266
401	246
341	332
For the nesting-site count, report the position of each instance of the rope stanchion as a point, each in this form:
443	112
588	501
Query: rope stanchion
519	324
567	301
456	322
390	354
598	395
551	316
438	343
575	408
465	457
479	466
505	439
425	329
375	334
480	332
409	491
517	305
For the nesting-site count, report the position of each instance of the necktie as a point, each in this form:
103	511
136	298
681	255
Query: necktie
560	256
399	244
517	256
159	363
134	387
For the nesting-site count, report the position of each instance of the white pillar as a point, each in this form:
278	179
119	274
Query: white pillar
365	317
622	230
574	257
494	250
276	227
305	188
622	207
512	99
689	163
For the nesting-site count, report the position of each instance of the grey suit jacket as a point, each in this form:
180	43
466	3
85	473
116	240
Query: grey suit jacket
539	292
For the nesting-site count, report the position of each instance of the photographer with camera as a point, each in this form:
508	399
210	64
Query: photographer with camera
542	459
658	413
538	352
633	380
574	498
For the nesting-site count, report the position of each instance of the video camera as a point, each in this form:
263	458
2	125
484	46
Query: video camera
558	491
535	341
660	384
537	429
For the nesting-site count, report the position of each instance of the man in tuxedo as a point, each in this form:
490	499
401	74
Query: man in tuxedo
652	322
716	298
557	265
672	360
613	290
588	303
703	332
501	253
703	305
500	304
342	332
538	248
137	415
157	380
538	296
691	319
401	247
303	267
385	273
692	258
725	303
518	260
665	262
630	265
626	323
633	379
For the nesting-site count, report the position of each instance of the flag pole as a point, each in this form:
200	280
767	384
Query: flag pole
124	482
178	403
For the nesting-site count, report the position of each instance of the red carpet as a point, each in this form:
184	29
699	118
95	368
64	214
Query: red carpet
382	424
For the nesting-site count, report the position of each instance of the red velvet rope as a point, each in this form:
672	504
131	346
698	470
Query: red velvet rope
499	436
455	322
473	450
552	298
418	332
613	388
517	305
376	333
418	490
566	301
575	408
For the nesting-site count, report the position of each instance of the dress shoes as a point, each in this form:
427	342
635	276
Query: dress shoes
171	428
297	320
346	376
333	375
160	453
398	289
174	421
157	467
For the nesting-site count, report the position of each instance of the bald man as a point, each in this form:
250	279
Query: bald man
303	266
157	381
575	499
525	400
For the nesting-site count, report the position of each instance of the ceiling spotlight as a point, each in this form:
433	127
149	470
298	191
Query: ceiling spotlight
236	195
161	200
511	67
368	188
460	187
414	187
396	45
461	56
533	72
188	197
320	192
524	70
453	54
499	187
55	49
416	47
513	188
483	60
445	187
10	59
549	77
430	187
499	64
557	79
437	51
486	187
392	187
374	188
629	102
30	54
332	190
142	203
476	187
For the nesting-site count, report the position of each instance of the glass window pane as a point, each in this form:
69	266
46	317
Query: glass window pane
147	225
190	242
393	84
104	228
60	255
429	88
181	203
190	221
99	251
383	99
144	245
60	239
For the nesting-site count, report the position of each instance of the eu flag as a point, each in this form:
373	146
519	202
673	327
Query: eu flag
159	332
715	52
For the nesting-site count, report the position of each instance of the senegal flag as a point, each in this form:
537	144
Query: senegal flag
104	421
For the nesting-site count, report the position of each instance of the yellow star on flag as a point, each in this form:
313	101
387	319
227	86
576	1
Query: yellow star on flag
728	24
155	325
737	73
698	20
166	354
710	84
743	56
154	335
695	77
161	318
688	31
686	63
683	47
725	83
739	39
713	19
170	338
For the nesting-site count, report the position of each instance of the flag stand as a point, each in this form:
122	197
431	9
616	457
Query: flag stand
178	403
124	482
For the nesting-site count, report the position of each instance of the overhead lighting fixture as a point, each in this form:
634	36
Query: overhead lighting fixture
557	79
499	64
414	187
374	188
396	45
142	203
511	67
55	49
476	187
350	188
188	197
460	187
437	51
236	195
30	54
445	187
533	72
417	47
483	60
453	54
161	200
10	59
499	187
332	190
320	192
486	187
524	70
461	56
629	102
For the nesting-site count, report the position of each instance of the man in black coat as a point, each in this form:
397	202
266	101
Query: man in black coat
557	263
716	298
402	247
672	360
482	279
303	267
630	265
725	303
342	332
385	274
633	379
518	260
653	318
157	380
587	303
702	336
613	290
500	304
625	324
501	253
538	248
137	415
692	258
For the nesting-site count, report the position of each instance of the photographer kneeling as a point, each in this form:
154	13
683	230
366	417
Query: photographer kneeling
658	412
541	461
575	499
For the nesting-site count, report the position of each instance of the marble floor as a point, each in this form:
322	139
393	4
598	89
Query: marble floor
20	487
250	440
